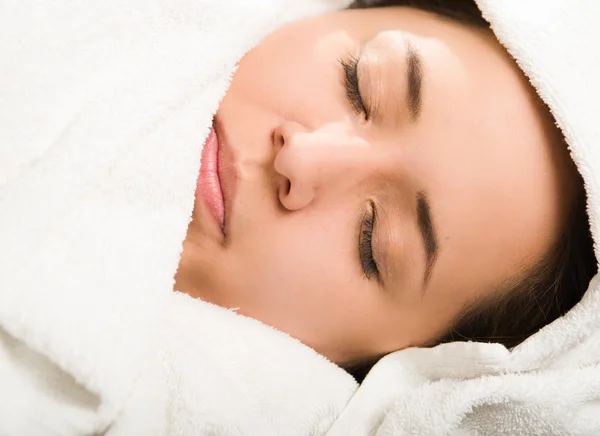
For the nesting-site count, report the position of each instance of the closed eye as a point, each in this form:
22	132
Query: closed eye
351	83
365	244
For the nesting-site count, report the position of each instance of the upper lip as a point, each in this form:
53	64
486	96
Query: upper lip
227	173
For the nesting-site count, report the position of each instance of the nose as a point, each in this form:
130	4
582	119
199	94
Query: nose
313	162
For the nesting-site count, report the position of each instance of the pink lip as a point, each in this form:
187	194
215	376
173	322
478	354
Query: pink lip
217	178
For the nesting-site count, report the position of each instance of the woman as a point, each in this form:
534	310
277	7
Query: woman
387	178
390	180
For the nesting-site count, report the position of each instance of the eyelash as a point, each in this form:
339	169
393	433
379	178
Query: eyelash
365	245
350	67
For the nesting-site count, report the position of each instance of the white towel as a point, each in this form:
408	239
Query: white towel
104	107
550	384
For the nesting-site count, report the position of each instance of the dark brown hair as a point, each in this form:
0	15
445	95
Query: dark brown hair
462	10
547	290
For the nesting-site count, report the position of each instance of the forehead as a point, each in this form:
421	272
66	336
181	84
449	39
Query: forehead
486	151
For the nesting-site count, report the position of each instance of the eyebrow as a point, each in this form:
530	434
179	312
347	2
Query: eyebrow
414	73
428	234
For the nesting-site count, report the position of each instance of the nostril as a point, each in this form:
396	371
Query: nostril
277	140
287	186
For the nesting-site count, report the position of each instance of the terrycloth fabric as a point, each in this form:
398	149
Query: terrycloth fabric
550	384
104	107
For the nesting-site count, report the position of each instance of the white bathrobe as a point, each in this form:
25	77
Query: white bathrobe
104	107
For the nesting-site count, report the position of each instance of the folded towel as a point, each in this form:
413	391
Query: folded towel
104	107
550	384
219	373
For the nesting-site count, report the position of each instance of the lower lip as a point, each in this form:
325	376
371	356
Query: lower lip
209	186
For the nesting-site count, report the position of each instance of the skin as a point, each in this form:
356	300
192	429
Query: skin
310	168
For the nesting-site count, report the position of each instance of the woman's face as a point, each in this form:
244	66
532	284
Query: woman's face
363	221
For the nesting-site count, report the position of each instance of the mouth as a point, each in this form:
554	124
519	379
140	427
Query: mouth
217	180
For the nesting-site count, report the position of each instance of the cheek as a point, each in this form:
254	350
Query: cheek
294	74
301	252
300	274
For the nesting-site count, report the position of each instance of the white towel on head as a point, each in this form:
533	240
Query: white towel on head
104	107
550	384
